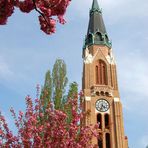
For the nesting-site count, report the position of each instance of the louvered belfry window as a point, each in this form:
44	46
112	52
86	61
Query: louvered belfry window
101	73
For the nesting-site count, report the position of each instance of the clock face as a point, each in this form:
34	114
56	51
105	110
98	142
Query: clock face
102	105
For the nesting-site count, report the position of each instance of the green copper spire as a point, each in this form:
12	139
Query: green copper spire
95	5
96	33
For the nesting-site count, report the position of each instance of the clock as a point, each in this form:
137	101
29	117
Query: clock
102	105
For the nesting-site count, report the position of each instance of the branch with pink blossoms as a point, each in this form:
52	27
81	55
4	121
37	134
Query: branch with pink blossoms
49	129
47	9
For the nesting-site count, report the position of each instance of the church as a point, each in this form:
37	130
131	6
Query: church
101	99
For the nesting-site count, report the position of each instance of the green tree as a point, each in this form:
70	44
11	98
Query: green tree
73	91
72	94
54	86
59	80
46	93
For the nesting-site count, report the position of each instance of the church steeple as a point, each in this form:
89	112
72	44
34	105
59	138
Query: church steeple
96	33
101	101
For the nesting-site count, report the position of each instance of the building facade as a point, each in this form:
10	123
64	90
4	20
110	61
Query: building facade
101	99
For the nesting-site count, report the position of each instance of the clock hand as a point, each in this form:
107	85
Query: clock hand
102	106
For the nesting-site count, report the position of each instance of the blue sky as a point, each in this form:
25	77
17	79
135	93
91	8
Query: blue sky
26	53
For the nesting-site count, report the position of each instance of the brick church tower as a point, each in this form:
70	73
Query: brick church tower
101	99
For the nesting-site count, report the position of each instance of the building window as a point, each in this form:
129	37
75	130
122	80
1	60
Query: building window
90	38
99	120
98	36
107	136
106	118
97	74
97	93
106	38
101	73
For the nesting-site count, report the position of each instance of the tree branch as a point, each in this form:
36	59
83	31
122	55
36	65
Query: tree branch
35	7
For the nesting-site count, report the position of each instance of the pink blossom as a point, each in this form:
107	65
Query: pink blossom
46	9
21	113
26	5
47	129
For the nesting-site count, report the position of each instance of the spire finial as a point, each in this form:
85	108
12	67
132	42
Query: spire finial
95	5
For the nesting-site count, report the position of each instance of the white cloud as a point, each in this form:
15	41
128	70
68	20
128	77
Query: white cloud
144	141
5	71
133	74
9	73
133	82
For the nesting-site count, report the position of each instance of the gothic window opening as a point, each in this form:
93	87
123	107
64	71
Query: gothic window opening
101	73
99	120
107	136
102	93
106	38
97	75
106	94
90	38
106	118
97	93
98	36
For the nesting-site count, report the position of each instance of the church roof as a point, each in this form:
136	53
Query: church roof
96	22
96	27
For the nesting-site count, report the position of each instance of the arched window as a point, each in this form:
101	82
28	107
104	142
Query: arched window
90	38
106	118
107	136
102	93
97	93
106	38
98	36
101	73
99	120
97	74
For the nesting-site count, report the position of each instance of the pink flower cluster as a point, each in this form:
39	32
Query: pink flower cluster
49	128
6	10
47	9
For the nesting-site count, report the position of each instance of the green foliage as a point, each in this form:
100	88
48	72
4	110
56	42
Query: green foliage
73	91
59	80
72	94
54	89
46	93
54	86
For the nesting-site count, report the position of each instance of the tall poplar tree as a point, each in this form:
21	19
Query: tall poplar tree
73	90
59	81
46	94
72	94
